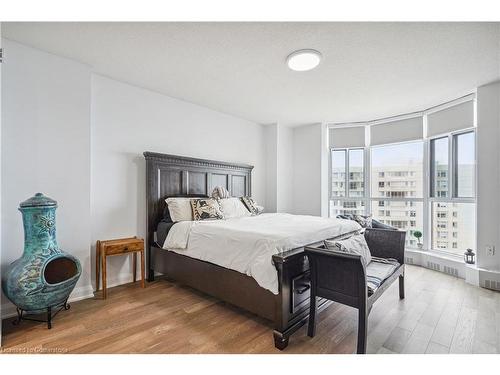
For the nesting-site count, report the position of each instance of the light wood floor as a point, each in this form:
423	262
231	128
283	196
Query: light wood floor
441	314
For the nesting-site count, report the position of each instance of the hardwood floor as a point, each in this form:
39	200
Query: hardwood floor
441	314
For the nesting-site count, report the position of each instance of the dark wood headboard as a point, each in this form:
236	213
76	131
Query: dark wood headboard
171	175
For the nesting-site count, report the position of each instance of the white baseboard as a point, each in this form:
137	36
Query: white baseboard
82	292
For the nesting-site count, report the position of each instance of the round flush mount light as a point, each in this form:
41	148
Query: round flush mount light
303	60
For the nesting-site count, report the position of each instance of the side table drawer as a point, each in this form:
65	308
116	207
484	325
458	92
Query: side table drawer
123	248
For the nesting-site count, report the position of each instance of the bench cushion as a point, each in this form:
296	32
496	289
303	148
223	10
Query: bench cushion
377	271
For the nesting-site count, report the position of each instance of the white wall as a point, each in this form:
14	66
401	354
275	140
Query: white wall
488	174
271	153
59	122
126	121
46	148
285	169
307	176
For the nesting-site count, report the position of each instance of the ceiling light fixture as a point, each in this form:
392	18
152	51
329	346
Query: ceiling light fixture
303	60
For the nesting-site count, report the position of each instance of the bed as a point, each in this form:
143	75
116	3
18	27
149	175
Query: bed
255	263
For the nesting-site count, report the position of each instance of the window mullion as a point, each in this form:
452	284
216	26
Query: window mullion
428	166
367	178
451	167
346	190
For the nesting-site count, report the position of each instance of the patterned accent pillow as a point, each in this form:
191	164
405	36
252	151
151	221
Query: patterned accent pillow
355	244
206	209
220	192
364	221
252	205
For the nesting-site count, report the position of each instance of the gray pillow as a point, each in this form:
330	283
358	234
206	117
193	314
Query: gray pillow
352	245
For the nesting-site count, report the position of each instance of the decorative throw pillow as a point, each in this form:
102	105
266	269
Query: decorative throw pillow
220	192
364	221
355	244
233	207
179	209
252	205
206	209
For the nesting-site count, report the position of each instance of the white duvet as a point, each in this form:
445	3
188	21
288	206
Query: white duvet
247	244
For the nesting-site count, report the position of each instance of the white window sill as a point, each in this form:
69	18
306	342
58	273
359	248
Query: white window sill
438	254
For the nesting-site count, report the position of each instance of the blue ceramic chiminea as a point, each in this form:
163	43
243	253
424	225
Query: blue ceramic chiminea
43	278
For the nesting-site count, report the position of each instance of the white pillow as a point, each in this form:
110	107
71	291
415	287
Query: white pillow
355	244
180	209
233	207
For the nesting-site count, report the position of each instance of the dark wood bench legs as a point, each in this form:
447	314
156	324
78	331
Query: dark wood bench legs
362	329
311	329
401	286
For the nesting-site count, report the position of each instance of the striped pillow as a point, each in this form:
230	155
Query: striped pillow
252	206
220	192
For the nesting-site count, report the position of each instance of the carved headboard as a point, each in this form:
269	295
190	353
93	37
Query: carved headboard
171	175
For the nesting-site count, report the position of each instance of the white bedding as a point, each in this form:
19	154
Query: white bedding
247	244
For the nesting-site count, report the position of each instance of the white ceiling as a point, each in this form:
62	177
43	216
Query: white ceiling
369	70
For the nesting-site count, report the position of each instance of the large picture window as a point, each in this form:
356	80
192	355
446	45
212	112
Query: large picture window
397	182
416	184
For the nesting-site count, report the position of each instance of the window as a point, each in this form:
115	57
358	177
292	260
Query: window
432	191
398	164
401	168
338	173
464	164
356	173
343	207
347	182
462	230
439	167
453	192
399	217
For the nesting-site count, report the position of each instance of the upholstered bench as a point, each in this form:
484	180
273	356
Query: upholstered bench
344	277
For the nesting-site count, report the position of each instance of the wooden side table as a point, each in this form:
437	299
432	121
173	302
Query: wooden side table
120	246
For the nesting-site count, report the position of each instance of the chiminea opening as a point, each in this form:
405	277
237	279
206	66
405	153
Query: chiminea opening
59	270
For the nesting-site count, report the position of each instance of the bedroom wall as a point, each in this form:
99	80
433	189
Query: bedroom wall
46	148
307	165
285	169
126	121
488	175
271	150
60	121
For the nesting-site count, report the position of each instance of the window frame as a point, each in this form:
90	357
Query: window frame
346	196
452	185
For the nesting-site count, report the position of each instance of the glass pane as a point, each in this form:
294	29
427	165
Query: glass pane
453	227
340	207
397	170
356	176
403	215
439	167
338	173
465	164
